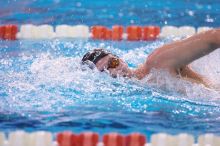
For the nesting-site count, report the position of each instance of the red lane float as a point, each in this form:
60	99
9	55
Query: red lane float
10	32
134	33
108	35
99	32
67	139
88	139
113	139
150	32
117	32
135	139
2	32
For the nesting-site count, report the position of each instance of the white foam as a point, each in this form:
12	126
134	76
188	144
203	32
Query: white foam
51	79
209	66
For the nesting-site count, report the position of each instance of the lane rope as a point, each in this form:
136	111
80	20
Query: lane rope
68	138
99	32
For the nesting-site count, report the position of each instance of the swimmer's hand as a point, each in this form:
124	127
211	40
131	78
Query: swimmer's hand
214	86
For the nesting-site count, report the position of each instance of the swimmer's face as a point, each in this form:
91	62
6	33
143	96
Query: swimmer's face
114	65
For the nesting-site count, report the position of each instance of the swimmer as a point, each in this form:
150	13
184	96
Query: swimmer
174	57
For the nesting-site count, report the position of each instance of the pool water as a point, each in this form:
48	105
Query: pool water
43	85
110	12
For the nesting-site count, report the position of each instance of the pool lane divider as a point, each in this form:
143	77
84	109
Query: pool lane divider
97	32
8	32
68	138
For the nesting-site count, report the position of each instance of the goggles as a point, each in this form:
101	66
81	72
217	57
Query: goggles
113	62
91	58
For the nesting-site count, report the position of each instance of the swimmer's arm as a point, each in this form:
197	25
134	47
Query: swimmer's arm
188	74
180	53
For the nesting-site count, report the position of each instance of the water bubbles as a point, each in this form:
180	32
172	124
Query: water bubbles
56	1
169	15
78	4
132	21
131	13
209	7
199	6
191	13
209	19
120	14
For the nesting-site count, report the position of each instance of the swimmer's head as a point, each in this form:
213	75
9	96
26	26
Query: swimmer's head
106	61
94	56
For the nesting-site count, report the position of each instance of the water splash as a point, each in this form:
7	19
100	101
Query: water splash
51	83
